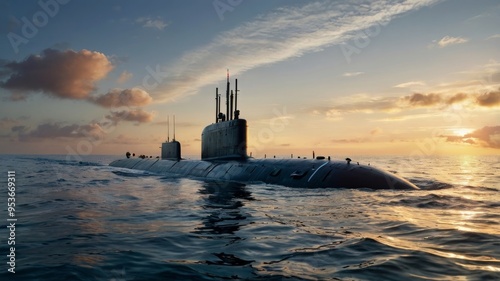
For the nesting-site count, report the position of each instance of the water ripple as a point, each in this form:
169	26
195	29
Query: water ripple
82	220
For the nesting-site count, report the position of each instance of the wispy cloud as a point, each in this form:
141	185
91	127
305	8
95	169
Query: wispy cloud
410	84
59	131
496	36
277	36
352	74
405	117
150	22
449	40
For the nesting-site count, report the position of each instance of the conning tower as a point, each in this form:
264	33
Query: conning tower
227	137
171	150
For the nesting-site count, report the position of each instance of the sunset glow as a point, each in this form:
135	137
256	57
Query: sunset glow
385	77
462	131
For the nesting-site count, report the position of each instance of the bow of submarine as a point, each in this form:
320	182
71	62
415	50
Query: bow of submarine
363	176
313	174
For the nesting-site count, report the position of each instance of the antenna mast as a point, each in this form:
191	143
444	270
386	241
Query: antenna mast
168	129
216	105
227	96
236	112
174	129
232	97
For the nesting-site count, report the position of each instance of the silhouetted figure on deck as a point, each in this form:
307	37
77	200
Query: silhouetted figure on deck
127	154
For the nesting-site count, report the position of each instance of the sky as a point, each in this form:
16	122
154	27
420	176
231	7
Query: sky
383	77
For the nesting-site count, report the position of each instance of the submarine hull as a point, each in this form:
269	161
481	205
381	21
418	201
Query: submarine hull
286	172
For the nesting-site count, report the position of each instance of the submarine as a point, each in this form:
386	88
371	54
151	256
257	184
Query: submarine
224	157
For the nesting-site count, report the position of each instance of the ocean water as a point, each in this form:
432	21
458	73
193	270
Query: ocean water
84	220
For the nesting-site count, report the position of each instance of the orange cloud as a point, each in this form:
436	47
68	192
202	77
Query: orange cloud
412	101
127	97
418	99
124	77
457	98
63	74
486	136
489	99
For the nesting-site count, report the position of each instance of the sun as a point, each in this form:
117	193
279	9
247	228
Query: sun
462	131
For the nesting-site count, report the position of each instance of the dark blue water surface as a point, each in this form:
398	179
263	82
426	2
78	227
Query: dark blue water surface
83	220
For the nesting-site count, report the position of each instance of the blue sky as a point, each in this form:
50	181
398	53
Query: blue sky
353	77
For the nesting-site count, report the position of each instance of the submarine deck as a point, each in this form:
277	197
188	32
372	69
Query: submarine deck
287	172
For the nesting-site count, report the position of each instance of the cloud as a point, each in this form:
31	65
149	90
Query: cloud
4	72
486	137
490	99
418	99
19	129
495	36
367	105
400	118
279	35
152	23
124	77
410	84
408	102
119	97
133	115
352	74
449	40
59	131
63	74
8	122
456	98
480	91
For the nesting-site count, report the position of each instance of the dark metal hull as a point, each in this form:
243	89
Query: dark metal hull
287	172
